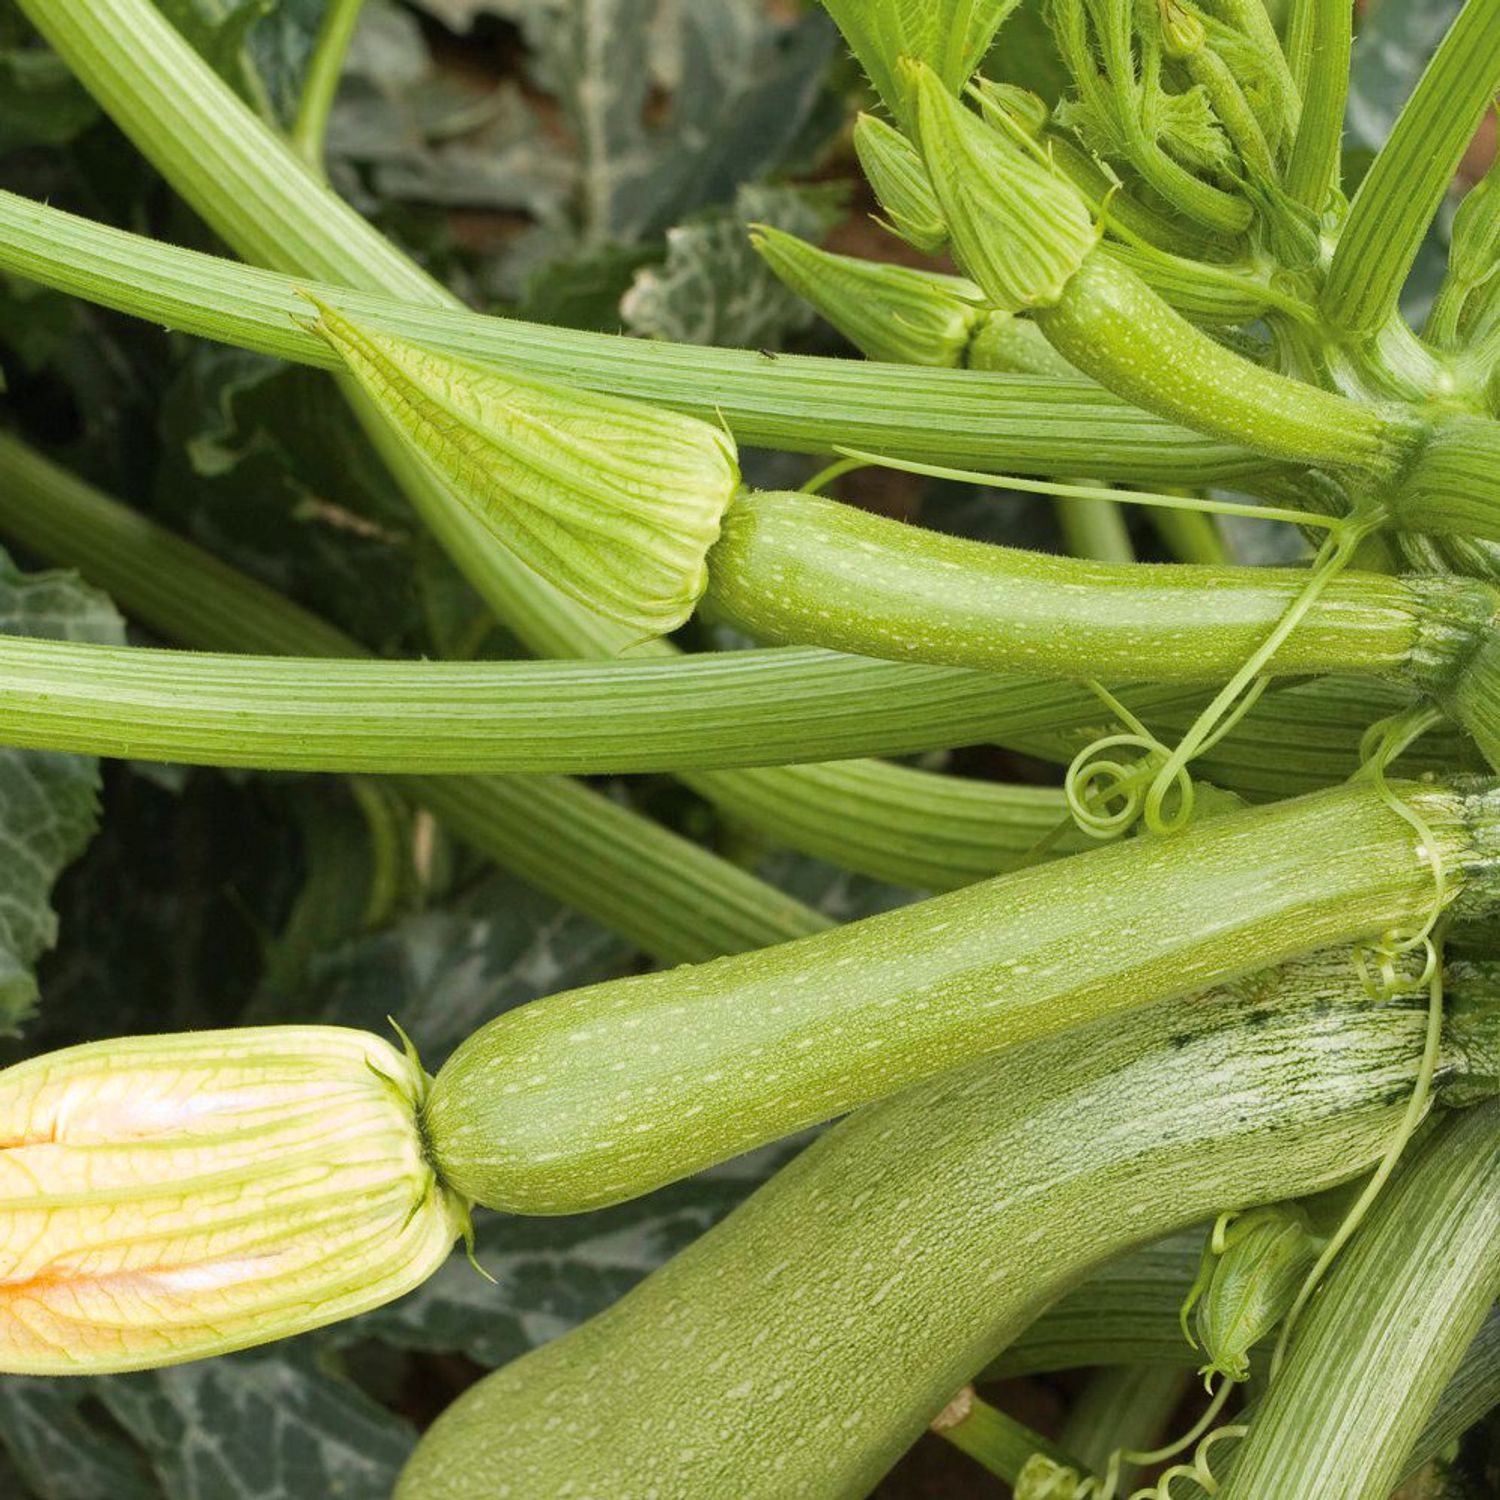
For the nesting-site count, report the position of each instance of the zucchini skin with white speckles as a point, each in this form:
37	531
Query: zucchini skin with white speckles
600	1094
796	1350
795	569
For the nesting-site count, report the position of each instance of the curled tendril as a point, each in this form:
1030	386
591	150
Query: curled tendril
1199	1471
1380	963
1108	783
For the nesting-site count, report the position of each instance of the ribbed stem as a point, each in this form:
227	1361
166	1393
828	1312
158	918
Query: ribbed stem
666	895
1123	1407
1400	195
1021	423
1388	1331
744	708
902	1247
1321	38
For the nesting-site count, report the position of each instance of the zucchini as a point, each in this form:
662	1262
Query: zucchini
593	1096
802	1345
791	569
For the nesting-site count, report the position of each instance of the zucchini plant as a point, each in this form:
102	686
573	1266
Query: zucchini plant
1219	960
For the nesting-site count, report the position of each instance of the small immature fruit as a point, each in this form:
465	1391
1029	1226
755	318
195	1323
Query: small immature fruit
167	1198
614	502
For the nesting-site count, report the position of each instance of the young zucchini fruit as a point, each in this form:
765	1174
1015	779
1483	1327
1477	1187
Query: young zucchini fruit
795	568
596	1095
801	1346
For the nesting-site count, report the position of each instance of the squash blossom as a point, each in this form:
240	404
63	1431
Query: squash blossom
613	502
167	1198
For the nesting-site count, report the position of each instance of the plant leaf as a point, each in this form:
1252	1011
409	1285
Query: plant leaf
264	1426
48	803
58	1452
714	288
950	36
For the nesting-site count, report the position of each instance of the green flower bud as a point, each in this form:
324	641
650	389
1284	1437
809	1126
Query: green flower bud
613	502
1475	256
1043	1479
1182	32
1008	104
1253	1267
1018	228
892	313
167	1198
900	181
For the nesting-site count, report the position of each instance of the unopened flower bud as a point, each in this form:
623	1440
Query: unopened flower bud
614	502
1253	1269
167	1198
1018	228
900	181
888	312
1014	106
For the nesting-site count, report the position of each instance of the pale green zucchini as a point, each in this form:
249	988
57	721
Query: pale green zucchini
597	1095
800	1347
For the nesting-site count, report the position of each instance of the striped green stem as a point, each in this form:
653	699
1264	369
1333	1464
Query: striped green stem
664	894
741	708
1320	40
1021	423
714	1060
896	823
902	1247
1401	193
1389	1330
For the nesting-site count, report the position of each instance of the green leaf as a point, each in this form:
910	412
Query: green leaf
715	289
950	36
40	103
48	803
740	86
60	1452
268	1425
265	465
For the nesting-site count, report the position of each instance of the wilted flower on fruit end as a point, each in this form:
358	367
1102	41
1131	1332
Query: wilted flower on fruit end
167	1198
614	502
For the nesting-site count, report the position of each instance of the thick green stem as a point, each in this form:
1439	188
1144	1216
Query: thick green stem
827	1321
666	895
1022	423
1389	1330
1397	200
794	568
1001	1444
785	1038
1322	36
742	708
